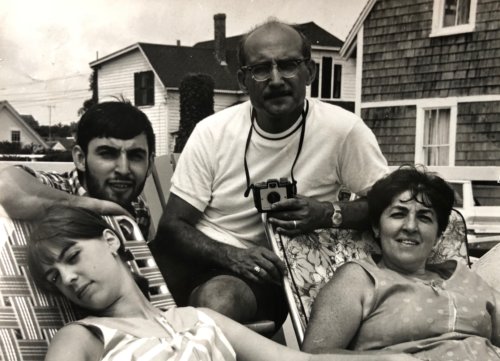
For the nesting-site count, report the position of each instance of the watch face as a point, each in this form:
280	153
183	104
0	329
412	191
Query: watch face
337	219
337	216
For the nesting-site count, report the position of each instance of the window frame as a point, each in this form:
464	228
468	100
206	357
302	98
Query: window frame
18	133
438	16
144	95
420	127
317	84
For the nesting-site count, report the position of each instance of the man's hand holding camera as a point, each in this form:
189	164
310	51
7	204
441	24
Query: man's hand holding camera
257	264
299	215
291	214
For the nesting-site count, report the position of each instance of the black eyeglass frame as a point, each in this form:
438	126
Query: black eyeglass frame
296	61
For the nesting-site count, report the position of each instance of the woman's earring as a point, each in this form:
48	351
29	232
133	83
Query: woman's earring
376	233
114	253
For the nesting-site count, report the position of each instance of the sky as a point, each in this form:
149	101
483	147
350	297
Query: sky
46	46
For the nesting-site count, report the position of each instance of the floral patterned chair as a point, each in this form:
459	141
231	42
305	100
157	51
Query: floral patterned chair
312	259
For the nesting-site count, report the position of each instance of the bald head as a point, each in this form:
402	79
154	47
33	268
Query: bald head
274	26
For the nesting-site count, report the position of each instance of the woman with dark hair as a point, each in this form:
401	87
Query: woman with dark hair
73	251
397	301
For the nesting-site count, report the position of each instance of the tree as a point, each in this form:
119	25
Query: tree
88	103
196	102
58	130
32	122
15	148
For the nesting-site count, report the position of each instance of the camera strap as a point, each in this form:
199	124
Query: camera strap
301	141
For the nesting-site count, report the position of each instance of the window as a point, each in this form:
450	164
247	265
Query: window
144	88
328	81
15	136
453	17
315	84
337	80
435	143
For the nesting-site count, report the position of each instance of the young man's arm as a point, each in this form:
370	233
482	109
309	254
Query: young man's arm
22	196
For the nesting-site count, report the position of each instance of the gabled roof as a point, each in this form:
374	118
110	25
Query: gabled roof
316	34
4	104
171	63
350	41
66	143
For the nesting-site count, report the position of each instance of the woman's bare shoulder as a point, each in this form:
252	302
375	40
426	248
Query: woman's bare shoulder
75	342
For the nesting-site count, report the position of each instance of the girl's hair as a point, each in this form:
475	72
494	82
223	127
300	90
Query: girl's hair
62	226
435	192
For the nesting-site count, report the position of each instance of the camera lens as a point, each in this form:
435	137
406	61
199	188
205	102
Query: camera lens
273	197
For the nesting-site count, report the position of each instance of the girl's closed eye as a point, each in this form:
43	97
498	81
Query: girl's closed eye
73	257
53	277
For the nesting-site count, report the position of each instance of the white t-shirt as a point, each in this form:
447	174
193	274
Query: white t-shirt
338	149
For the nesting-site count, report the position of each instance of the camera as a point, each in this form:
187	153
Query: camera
272	191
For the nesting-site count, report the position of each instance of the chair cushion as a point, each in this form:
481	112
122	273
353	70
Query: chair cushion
30	317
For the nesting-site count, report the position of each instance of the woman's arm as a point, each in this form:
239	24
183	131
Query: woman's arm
76	343
338	310
250	346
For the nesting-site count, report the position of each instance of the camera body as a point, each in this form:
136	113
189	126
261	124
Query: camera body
272	191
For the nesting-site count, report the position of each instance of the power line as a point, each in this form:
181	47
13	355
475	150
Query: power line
37	81
48	92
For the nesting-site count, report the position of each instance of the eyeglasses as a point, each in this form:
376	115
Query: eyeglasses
287	68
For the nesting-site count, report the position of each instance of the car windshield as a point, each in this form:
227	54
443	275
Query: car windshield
486	193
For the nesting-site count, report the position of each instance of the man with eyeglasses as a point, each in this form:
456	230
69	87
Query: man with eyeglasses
210	223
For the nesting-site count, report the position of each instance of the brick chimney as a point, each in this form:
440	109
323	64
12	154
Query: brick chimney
220	38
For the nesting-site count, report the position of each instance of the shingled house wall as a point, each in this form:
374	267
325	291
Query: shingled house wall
402	62
394	128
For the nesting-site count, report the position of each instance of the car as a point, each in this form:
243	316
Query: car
479	203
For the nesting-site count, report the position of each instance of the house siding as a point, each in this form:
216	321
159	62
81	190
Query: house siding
116	79
10	123
401	60
478	134
394	128
348	85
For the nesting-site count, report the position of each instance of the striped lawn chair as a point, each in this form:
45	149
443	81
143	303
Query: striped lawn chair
29	317
312	259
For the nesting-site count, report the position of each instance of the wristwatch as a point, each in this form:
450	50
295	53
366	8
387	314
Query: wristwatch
336	216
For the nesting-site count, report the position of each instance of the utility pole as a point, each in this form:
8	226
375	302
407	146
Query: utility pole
50	120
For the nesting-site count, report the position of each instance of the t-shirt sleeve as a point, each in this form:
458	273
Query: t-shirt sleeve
361	162
193	177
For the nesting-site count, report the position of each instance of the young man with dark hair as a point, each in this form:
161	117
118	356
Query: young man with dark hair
113	156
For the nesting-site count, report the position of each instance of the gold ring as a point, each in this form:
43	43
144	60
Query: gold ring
294	224
257	269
